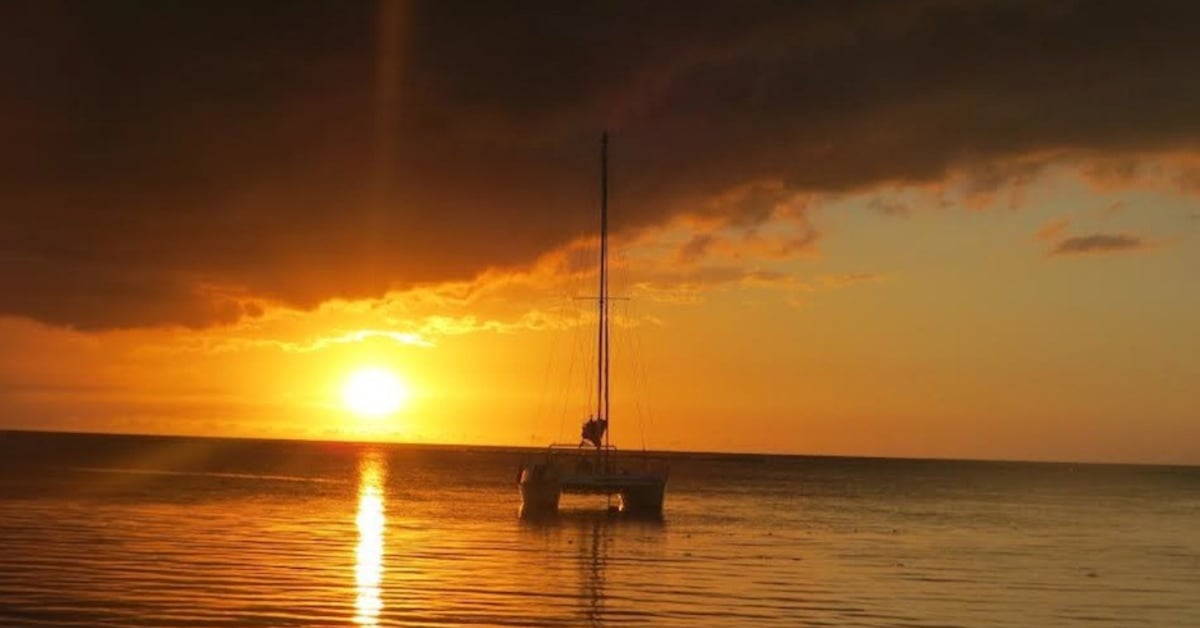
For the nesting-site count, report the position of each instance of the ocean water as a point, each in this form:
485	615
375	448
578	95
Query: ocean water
149	531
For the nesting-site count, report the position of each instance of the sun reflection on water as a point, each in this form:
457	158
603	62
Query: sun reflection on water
368	573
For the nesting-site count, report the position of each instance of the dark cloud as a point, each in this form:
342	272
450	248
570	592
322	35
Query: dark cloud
889	207
1053	229
696	247
850	279
160	157
1099	243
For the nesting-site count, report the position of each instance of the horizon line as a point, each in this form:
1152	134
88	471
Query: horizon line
532	448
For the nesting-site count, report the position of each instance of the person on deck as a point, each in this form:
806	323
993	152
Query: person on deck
593	431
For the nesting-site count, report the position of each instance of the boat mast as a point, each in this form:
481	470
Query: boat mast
602	346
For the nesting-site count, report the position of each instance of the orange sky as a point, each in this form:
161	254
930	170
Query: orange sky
831	244
948	331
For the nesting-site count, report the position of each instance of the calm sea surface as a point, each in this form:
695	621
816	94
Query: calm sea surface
140	531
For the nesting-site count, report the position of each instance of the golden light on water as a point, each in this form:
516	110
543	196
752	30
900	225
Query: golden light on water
368	573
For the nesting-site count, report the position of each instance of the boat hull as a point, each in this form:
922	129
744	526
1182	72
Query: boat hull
540	490
541	487
645	498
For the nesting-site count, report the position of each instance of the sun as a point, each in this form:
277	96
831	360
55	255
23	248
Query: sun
374	392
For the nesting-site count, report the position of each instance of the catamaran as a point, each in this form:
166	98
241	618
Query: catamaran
597	470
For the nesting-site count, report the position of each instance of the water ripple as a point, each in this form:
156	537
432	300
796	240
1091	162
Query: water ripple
307	535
